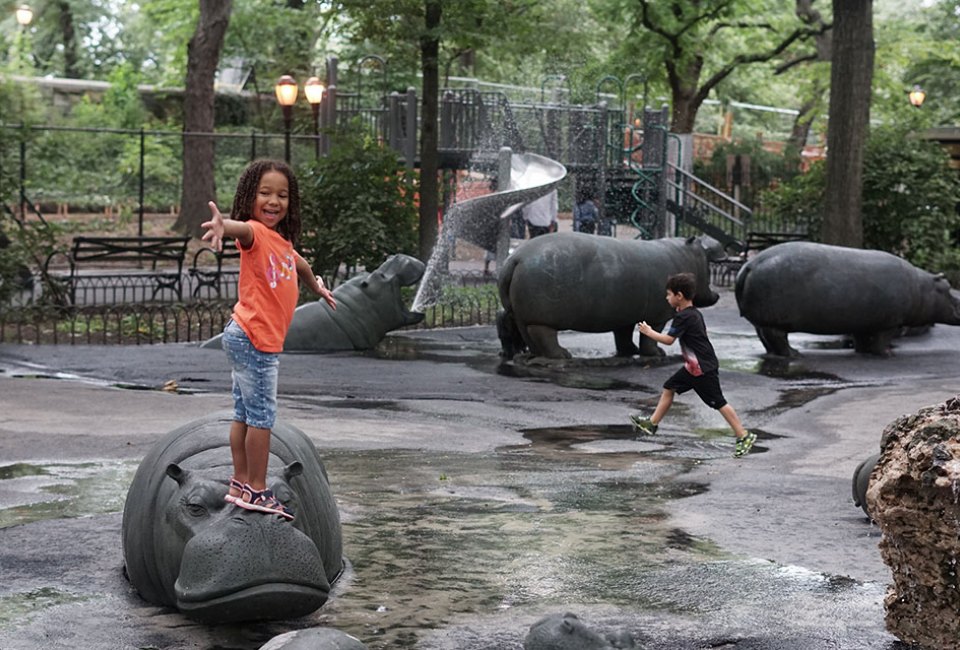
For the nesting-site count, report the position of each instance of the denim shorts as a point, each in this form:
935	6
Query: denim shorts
254	379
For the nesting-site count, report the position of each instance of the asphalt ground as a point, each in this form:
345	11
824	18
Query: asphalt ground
788	503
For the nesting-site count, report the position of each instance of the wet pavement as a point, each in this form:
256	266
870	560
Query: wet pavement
477	496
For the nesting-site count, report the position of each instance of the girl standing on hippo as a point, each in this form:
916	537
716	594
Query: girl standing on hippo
266	228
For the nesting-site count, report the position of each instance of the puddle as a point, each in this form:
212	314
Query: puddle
564	377
464	551
20	606
37	492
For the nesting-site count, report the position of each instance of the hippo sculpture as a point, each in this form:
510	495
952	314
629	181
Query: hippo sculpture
821	289
861	481
314	638
368	306
568	632
575	281
185	547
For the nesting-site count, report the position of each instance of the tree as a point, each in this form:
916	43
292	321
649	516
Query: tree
440	29
203	55
693	39
851	74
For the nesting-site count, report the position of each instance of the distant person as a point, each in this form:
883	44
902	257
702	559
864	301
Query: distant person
585	216
541	215
266	229
700	370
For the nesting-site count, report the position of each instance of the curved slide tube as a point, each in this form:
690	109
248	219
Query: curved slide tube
478	220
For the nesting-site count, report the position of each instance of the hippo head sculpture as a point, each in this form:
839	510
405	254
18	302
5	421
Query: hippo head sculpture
185	547
368	306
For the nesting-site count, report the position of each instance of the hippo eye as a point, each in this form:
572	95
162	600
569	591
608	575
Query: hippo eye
195	509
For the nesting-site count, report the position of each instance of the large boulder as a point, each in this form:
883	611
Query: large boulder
575	281
870	295
187	548
914	496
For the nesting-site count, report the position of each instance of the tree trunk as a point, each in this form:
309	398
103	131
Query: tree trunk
429	154
203	55
851	74
71	62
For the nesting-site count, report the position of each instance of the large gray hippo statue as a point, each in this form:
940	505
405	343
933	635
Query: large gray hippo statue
187	548
820	289
368	306
575	281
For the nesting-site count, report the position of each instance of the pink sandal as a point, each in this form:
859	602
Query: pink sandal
262	501
234	485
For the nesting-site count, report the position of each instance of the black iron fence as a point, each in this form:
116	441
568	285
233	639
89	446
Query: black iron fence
147	323
196	320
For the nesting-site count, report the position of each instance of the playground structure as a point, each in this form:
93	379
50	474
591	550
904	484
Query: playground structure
633	167
630	164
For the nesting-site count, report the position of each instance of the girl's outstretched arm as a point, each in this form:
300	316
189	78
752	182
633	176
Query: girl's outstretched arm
315	282
218	228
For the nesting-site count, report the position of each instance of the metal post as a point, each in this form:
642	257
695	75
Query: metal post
23	172
140	210
410	143
287	123
328	115
504	168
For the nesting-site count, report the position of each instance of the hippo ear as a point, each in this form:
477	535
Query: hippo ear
178	474
567	626
690	240
293	469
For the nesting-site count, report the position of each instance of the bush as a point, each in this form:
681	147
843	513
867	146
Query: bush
910	200
357	207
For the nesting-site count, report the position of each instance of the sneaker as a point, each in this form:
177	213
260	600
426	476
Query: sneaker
643	425
263	501
744	444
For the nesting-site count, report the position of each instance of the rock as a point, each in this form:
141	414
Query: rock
315	638
568	632
913	497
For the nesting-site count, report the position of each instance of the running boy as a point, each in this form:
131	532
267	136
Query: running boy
700	370
266	227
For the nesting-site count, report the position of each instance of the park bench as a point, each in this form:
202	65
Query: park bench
89	259
207	267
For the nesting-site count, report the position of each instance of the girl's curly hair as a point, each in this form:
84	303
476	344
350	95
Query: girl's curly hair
246	195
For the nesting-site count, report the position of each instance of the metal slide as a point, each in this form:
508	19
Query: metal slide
478	220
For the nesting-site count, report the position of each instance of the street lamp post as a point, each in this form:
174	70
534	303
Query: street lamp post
286	91
24	15
917	95
314	92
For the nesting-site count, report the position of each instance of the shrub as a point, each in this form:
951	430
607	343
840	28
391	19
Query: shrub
357	208
910	200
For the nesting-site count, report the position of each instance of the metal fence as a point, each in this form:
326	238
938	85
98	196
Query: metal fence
146	323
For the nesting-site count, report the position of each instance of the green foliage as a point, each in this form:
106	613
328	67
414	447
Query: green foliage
357	207
910	199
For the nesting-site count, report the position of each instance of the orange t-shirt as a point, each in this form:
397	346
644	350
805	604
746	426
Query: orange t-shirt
267	289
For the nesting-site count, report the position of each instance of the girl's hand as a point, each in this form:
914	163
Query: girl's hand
214	228
326	294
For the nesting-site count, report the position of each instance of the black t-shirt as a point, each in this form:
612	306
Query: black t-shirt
697	351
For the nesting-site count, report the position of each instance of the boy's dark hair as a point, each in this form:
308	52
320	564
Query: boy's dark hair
684	283
246	194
